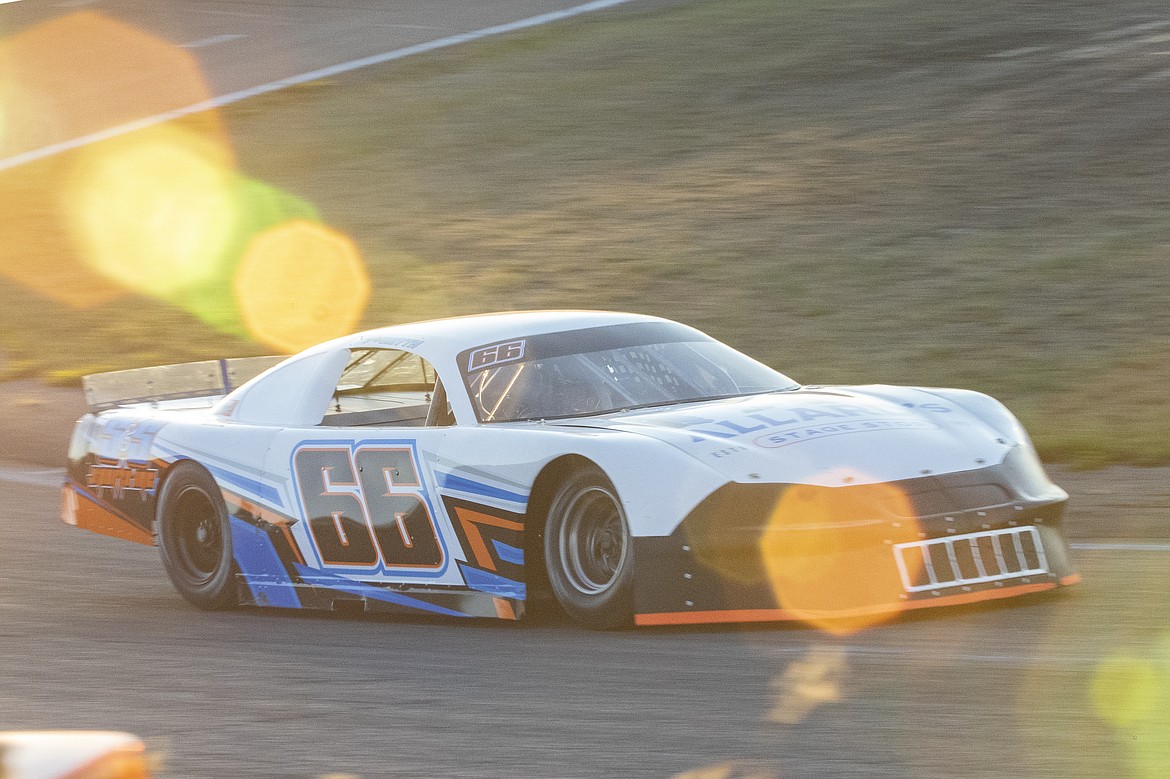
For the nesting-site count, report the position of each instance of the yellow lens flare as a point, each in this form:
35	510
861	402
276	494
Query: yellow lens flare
260	207
1125	690
154	211
300	283
1133	695
828	552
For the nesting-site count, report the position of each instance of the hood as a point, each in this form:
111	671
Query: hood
823	435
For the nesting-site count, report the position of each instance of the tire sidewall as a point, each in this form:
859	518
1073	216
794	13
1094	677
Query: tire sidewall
218	592
613	608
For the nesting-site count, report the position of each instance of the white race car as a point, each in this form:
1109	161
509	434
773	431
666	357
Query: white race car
636	469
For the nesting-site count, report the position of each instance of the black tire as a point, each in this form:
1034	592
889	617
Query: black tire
194	536
588	552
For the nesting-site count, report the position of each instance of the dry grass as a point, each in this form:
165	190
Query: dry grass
851	191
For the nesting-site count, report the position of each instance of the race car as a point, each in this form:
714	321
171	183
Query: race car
636	469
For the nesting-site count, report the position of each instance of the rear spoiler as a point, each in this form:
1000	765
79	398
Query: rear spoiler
210	378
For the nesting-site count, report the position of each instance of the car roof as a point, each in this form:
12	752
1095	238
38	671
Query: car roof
468	331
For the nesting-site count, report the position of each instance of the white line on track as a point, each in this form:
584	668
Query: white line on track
1158	76
214	40
46	477
1136	28
303	78
1023	52
1119	546
1025	658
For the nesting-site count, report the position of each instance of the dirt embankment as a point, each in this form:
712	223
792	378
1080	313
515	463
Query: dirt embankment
1118	502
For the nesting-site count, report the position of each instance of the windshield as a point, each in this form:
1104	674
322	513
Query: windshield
607	369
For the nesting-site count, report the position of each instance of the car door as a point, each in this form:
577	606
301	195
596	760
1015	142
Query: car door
362	484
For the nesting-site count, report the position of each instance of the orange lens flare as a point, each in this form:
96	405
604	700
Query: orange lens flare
160	211
829	555
300	283
61	80
86	72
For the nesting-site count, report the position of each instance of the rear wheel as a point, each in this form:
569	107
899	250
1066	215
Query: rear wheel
588	551
194	537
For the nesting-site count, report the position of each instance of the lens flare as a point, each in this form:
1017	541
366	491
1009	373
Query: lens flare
154	211
829	556
259	207
160	211
86	72
807	683
300	283
1125	690
1133	695
60	80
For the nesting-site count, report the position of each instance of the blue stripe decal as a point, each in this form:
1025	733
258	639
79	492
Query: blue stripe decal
315	577
491	583
257	488
450	481
508	553
263	571
171	452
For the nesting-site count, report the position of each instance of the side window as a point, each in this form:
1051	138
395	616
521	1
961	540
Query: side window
382	387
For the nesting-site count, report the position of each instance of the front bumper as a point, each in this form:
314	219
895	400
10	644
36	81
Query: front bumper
769	552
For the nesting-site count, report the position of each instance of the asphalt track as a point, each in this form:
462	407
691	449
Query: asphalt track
94	637
253	47
243	43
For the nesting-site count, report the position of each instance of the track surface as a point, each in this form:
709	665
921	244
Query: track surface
94	637
244	43
254	47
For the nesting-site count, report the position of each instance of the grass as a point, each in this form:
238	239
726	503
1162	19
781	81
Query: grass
853	192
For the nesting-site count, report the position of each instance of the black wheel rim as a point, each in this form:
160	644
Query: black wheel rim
593	541
198	535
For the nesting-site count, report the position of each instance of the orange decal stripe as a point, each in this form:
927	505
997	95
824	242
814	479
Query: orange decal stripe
504	609
88	514
470	519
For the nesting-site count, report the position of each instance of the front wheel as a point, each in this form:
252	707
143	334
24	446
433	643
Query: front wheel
588	552
194	537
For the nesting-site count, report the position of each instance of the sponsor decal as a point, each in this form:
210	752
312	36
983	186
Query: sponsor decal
801	423
797	435
400	343
114	480
122	439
